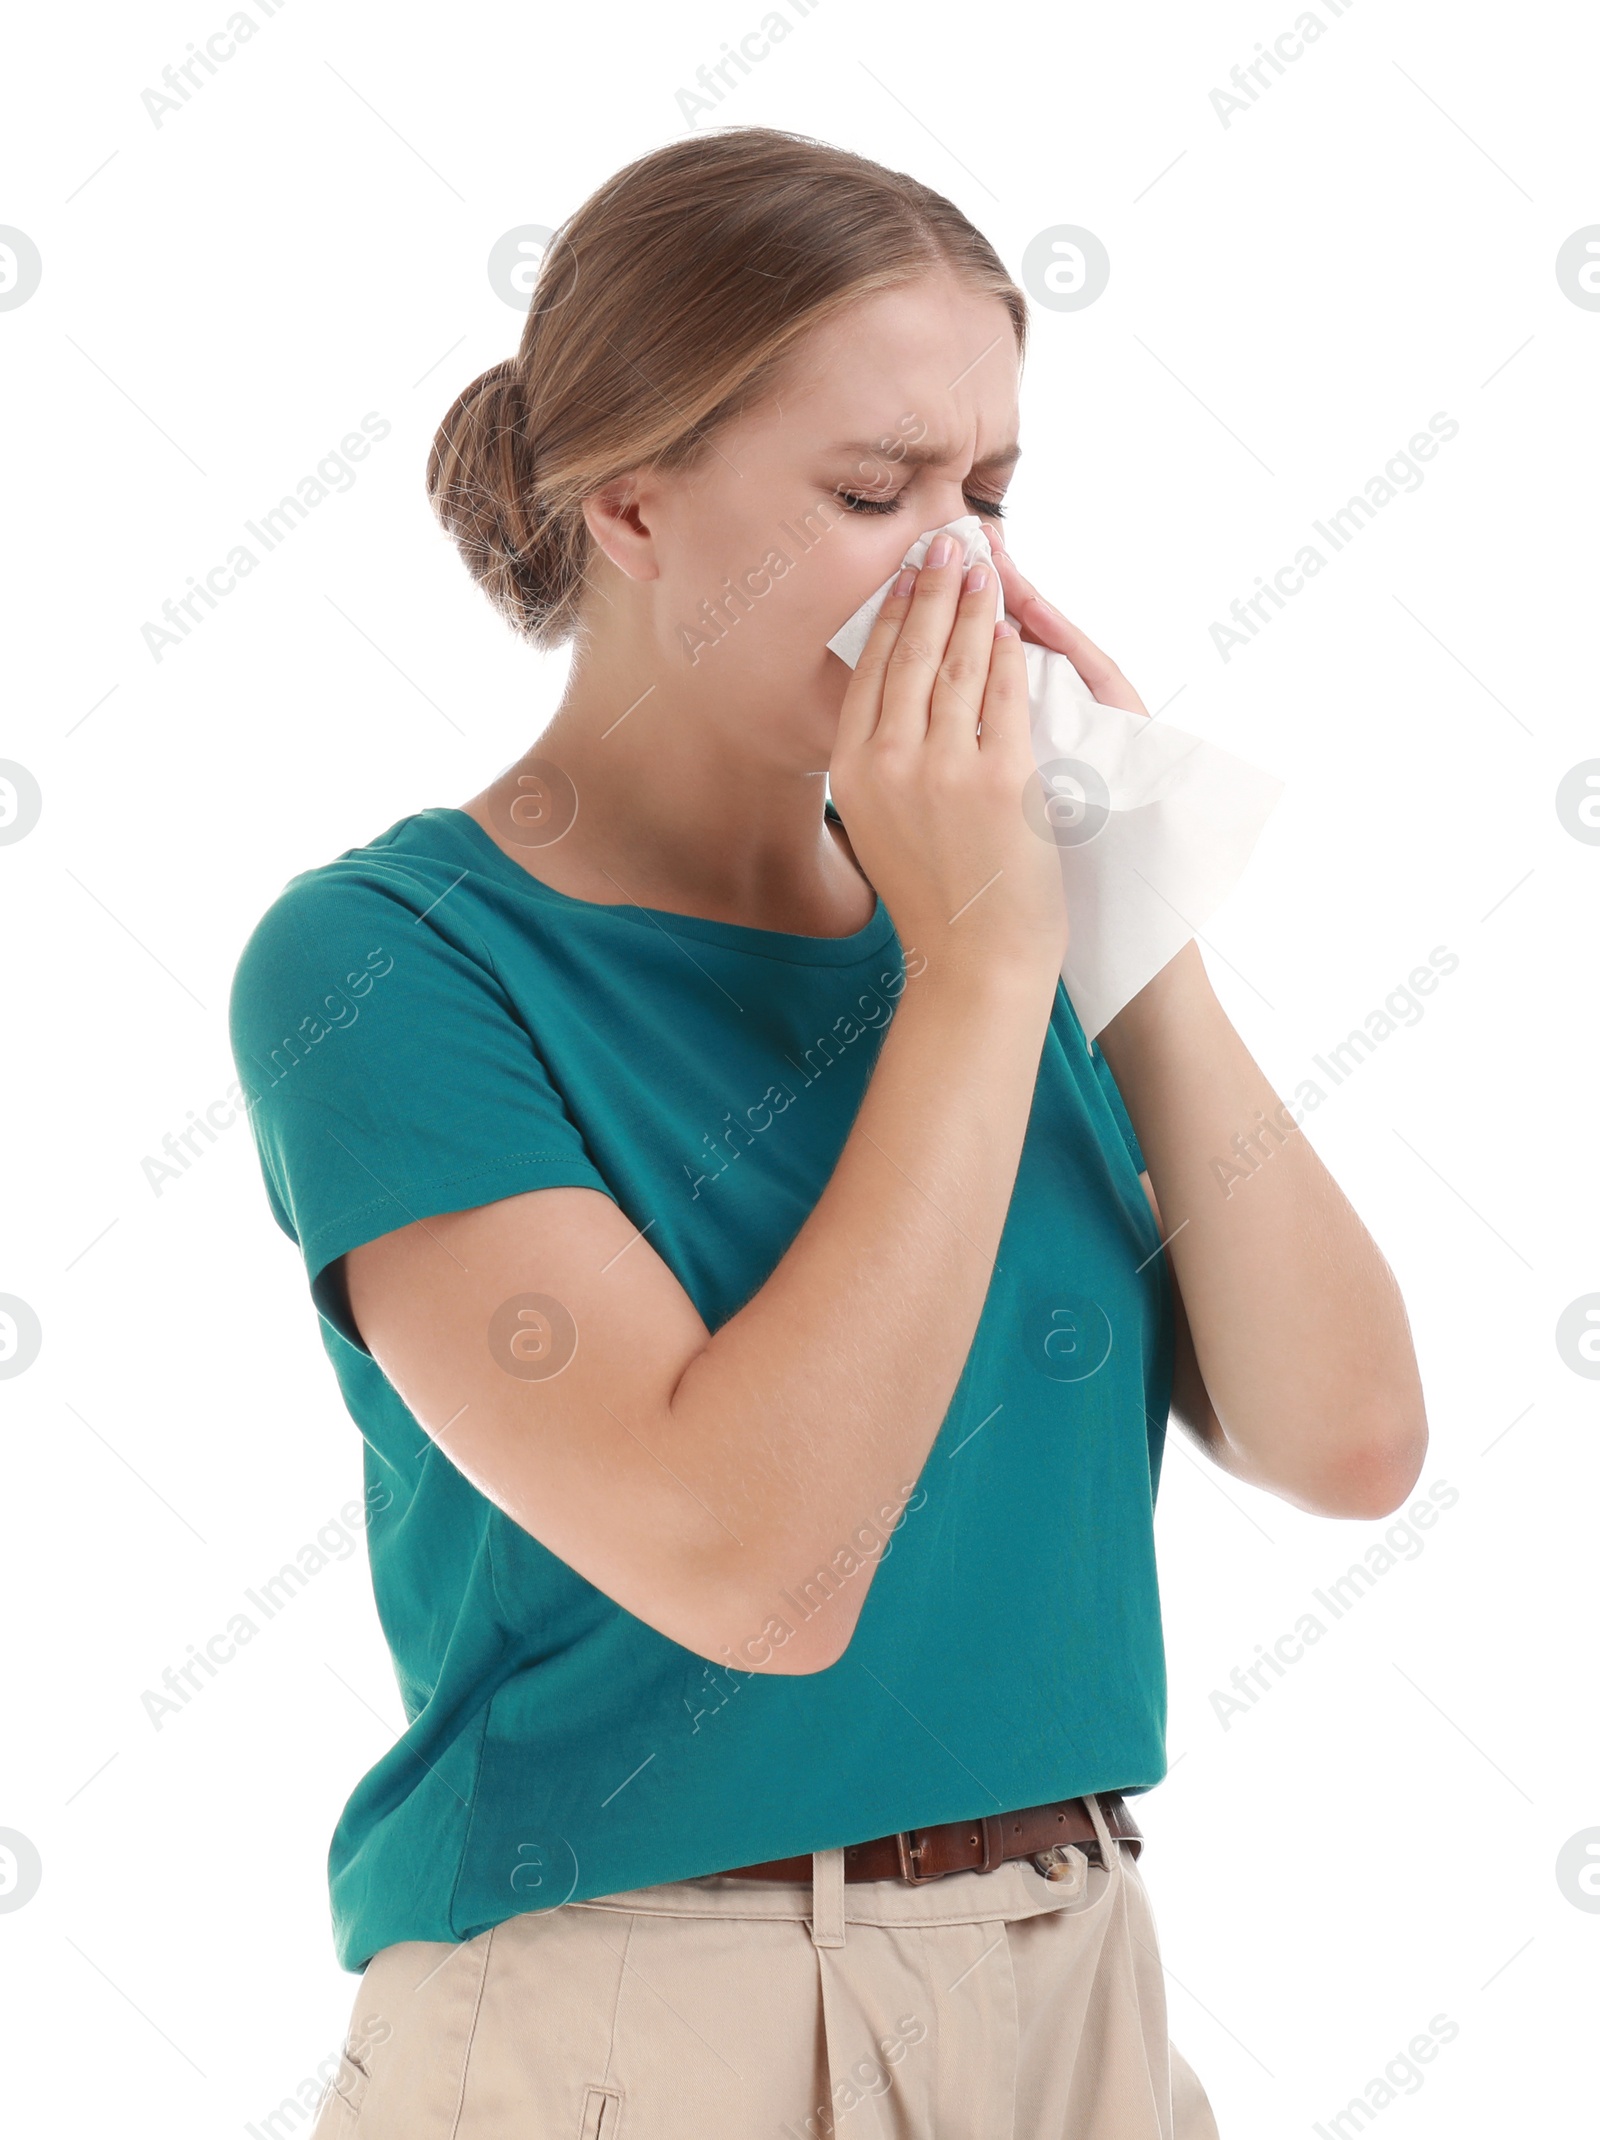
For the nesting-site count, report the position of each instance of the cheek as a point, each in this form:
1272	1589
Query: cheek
779	580
715	533
791	599
832	573
774	654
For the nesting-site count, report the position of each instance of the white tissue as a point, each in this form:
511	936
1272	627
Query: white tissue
1154	827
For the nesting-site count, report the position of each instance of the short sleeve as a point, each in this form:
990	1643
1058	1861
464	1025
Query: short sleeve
387	1074
1114	1098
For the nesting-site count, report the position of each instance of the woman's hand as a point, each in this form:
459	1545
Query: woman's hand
933	807
1046	626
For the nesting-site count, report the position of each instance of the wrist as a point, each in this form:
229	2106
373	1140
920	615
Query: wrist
995	983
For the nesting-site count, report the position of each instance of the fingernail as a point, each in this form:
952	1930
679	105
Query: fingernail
941	550
907	580
1004	628
976	580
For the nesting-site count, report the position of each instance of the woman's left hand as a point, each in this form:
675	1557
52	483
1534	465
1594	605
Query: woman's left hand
1040	622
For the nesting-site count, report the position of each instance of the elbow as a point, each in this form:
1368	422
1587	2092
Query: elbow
1377	1462
792	1654
790	1633
804	1654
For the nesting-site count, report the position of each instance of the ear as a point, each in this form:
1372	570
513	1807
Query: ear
618	516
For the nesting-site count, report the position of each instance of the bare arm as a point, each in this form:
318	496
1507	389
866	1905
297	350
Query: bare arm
1294	1363
696	1478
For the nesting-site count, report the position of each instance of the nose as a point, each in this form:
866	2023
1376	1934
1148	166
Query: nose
947	501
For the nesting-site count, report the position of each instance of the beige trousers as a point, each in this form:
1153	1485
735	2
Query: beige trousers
982	2006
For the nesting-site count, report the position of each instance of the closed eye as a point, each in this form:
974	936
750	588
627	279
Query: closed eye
863	502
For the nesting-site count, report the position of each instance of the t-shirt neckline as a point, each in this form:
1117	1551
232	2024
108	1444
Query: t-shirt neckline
492	860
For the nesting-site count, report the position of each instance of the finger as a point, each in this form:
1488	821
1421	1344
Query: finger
863	696
1105	680
957	703
1040	621
1044	625
1005	702
917	652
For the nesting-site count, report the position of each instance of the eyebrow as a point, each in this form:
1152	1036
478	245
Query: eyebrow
921	456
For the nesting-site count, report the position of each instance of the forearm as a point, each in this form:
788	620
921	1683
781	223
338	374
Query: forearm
1299	1328
815	1406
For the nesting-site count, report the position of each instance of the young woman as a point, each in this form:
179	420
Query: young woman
748	1283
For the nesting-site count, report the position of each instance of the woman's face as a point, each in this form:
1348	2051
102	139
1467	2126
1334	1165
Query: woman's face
896	417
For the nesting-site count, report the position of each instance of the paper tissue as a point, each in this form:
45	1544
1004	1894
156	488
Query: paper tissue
1154	827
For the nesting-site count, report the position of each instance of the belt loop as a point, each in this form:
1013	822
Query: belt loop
1110	1848
827	1898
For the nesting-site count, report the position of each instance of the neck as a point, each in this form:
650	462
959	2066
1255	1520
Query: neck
678	812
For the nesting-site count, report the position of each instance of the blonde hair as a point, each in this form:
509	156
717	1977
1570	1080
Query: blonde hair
667	303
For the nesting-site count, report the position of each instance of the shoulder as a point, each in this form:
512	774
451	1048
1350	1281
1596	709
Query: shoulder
339	921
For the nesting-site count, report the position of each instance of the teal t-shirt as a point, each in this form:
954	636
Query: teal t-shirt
420	1027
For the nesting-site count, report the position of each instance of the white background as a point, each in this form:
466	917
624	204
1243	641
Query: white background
1292	296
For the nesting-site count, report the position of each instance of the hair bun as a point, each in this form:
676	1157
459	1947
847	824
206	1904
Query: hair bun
482	484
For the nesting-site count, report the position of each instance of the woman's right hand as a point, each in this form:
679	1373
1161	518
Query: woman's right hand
933	807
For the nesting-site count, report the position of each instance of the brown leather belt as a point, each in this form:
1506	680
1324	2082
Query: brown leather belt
921	1854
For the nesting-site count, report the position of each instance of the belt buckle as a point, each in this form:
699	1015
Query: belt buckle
906	1850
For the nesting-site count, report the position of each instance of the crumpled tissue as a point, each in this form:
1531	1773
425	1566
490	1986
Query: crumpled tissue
1153	826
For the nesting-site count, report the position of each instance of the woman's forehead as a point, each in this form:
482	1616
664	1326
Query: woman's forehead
928	452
